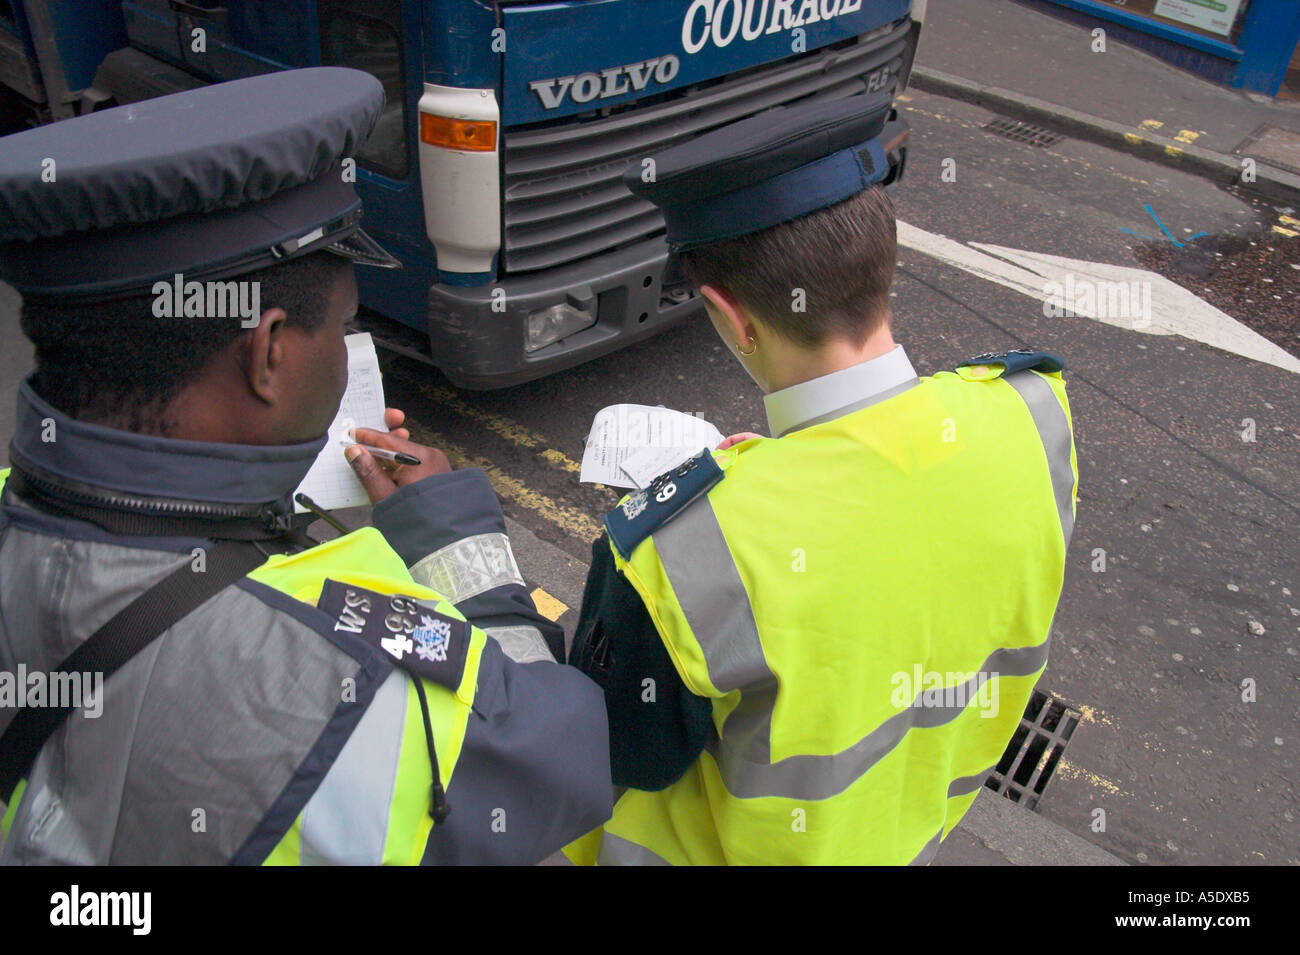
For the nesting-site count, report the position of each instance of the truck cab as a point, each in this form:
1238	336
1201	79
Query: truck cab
494	173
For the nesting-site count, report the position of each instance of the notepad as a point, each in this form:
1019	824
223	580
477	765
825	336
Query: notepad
331	482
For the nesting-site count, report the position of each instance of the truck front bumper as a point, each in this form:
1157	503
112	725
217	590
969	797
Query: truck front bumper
477	335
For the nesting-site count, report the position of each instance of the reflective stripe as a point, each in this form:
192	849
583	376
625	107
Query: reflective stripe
965	785
929	850
821	777
618	851
523	644
695	556
713	598
1054	430
346	820
469	567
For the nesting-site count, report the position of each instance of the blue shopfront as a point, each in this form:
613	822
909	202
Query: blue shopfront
1247	44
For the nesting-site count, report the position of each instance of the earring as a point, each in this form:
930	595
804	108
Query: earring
753	348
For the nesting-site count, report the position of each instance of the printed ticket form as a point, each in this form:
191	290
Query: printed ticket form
630	445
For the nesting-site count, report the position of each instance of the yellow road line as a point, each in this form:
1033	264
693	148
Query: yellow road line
1150	124
1109	172
569	519
561	460
1187	136
512	431
1289	233
552	608
940	116
1287	220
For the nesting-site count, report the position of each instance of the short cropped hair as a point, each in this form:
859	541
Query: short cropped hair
117	362
821	276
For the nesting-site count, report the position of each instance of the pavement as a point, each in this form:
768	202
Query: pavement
1014	58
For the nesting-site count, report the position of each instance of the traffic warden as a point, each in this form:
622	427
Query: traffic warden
816	646
263	700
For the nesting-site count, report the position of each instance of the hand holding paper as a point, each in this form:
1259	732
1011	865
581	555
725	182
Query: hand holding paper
629	445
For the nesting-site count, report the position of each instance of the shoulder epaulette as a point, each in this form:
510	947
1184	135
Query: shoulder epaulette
992	365
640	514
419	639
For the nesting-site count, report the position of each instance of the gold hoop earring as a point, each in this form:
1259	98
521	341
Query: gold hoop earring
751	350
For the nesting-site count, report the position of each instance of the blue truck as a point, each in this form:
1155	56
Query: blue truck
494	171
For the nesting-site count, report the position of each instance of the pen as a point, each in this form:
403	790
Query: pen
401	457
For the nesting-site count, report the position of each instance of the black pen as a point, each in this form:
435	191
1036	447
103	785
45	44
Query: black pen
401	457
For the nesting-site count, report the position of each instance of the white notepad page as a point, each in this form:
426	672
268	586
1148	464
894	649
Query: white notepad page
331	482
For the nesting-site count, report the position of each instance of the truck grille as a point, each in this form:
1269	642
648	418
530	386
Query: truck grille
564	200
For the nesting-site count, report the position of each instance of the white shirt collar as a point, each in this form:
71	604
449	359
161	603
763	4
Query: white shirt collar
839	393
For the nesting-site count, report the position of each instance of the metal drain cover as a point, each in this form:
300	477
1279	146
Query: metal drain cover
1023	132
1034	751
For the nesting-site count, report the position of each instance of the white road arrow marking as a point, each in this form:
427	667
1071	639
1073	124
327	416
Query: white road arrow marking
1173	309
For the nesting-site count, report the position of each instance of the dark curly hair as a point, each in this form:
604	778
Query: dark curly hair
117	363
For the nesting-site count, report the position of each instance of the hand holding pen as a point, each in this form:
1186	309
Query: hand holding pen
388	467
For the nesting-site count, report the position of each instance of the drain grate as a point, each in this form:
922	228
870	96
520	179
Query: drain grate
1034	751
1023	132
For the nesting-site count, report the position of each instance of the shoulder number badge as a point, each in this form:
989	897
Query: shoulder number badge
410	631
637	517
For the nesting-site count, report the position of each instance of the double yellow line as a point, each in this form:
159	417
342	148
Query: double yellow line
572	521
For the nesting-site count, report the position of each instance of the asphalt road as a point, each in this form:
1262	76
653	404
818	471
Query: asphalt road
1197	525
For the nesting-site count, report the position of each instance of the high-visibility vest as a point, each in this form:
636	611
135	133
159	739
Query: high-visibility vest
382	818
365	559
867	602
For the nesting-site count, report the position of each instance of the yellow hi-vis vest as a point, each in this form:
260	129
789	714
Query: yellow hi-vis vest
365	559
386	817
867	602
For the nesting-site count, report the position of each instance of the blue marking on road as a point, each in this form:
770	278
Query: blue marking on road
1162	226
1151	212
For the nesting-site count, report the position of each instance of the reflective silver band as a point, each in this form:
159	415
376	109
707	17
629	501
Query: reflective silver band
695	555
929	850
822	777
469	567
615	850
523	644
346	820
965	785
698	562
1054	430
